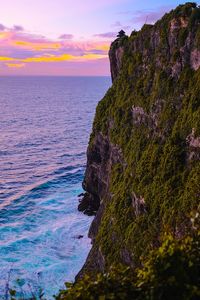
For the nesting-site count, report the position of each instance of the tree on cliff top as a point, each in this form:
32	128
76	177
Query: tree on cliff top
121	34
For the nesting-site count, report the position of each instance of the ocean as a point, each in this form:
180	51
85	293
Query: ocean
45	123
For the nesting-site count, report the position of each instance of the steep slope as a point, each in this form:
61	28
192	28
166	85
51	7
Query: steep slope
143	168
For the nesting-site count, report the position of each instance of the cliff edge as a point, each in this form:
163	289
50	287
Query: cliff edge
143	159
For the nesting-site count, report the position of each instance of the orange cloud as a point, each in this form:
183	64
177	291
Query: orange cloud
37	46
20	62
99	46
5	58
5	35
92	56
49	58
104	47
63	57
10	65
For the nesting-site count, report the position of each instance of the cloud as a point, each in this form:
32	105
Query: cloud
119	26
2	27
51	59
23	52
116	24
106	35
68	57
5	58
10	65
4	36
127	27
36	45
23	43
18	28
149	16
14	28
66	36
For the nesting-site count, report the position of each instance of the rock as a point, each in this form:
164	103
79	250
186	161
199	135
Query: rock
139	205
195	59
81	195
178	23
78	237
88	204
90	212
115	58
139	116
193	143
100	157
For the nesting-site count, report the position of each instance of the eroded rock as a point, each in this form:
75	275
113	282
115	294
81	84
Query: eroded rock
139	205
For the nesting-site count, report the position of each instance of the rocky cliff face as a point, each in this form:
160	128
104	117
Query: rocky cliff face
115	55
143	168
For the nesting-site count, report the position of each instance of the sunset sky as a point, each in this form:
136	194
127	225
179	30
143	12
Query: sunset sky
68	37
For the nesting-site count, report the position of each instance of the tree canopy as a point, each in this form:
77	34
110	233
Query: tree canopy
121	34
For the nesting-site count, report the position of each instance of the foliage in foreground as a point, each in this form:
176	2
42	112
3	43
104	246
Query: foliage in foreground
171	271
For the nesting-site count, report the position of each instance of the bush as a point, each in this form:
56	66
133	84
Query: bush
171	271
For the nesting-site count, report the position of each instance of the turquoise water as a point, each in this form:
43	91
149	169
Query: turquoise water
45	124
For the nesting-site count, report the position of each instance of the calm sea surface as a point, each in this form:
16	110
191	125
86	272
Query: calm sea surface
45	124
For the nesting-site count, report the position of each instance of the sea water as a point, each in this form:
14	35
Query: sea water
45	124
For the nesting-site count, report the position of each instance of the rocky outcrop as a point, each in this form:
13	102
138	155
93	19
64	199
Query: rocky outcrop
139	205
101	155
143	159
195	59
175	46
115	55
193	143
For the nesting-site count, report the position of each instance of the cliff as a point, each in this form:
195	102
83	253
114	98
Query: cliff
143	159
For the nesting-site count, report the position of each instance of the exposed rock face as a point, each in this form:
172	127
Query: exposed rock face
178	23
138	205
89	204
115	56
100	157
194	146
195	59
143	159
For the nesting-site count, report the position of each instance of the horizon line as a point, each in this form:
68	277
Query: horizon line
2	76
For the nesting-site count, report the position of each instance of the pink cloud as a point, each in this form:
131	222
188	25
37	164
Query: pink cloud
21	52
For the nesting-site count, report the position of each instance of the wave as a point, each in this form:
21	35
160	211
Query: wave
65	175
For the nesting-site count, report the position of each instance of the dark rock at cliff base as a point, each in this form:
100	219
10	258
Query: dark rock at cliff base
81	195
89	204
78	237
89	212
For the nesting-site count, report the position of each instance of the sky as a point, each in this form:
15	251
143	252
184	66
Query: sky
68	37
